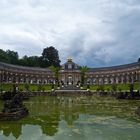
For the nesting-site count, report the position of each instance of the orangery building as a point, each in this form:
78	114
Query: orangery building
70	73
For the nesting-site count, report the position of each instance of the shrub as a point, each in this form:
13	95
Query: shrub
26	86
114	87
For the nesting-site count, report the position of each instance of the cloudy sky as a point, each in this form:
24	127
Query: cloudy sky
93	32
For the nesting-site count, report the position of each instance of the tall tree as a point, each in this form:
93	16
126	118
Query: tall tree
12	57
56	71
139	60
83	70
50	57
23	61
32	61
3	56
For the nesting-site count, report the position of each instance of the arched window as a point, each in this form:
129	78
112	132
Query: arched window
69	66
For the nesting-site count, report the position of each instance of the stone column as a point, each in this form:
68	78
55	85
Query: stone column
97	81
16	78
6	77
132	78
127	78
137	76
108	80
116	79
122	79
105	80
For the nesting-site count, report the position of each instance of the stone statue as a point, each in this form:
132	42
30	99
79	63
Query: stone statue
13	107
14	104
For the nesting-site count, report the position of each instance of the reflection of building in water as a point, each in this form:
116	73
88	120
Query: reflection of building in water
71	117
70	108
70	74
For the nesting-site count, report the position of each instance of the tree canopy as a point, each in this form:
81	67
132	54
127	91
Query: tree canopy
8	56
3	56
83	70
48	58
12	57
32	61
56	71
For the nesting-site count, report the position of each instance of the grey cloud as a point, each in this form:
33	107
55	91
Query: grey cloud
94	33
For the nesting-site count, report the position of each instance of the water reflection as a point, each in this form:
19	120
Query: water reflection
74	117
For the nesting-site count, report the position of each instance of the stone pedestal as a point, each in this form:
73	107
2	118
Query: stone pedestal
13	108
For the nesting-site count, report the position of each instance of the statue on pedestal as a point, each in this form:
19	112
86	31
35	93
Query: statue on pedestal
13	107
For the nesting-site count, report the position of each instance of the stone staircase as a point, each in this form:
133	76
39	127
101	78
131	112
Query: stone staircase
70	87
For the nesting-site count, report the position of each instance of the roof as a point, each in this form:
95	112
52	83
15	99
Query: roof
5	65
65	66
125	66
74	66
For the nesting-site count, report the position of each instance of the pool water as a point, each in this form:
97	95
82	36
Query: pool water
75	117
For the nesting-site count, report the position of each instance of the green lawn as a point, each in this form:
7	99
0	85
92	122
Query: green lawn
38	87
23	87
108	87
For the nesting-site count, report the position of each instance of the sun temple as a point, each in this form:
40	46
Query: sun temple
70	73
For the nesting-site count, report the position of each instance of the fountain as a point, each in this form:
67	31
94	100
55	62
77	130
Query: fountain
13	107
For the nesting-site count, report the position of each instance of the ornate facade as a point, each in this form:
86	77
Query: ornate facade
70	74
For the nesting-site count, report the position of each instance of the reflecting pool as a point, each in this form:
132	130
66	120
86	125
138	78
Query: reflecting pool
73	117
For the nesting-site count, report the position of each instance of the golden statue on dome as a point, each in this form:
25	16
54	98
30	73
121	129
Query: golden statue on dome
69	59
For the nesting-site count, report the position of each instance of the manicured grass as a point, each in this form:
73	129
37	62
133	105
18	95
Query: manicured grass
23	87
108	87
38	87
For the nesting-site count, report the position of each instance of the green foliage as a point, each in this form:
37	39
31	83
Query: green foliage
26	86
117	87
88	86
3	56
114	87
83	69
8	56
50	57
56	71
32	61
22	87
12	57
139	60
131	88
52	86
108	89
34	87
101	88
40	87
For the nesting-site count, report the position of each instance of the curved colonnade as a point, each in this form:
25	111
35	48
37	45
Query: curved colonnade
20	74
128	73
